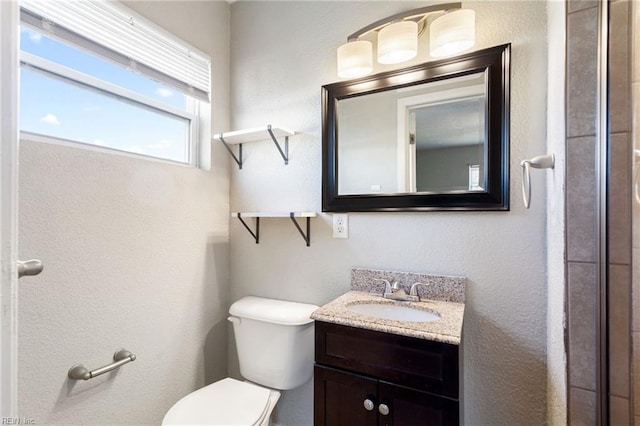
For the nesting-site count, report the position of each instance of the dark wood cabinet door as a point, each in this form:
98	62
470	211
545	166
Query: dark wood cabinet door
416	363
340	397
409	407
409	381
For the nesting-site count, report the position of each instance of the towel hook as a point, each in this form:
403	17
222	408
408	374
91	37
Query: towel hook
547	161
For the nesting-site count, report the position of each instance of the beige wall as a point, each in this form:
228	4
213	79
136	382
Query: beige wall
282	52
135	255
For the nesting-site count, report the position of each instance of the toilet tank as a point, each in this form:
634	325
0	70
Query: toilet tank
275	341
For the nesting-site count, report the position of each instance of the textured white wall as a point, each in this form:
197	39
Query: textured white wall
556	252
136	256
361	159
282	52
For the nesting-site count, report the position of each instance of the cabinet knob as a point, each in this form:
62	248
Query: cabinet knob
368	404
383	409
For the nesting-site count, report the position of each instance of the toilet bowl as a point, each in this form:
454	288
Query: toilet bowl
274	340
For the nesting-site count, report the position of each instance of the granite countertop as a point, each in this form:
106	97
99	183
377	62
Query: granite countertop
447	330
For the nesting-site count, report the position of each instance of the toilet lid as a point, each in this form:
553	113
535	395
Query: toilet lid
226	402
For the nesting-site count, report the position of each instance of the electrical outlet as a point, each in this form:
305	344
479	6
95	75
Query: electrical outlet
340	225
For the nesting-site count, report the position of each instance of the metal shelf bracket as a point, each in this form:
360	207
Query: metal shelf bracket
256	234
303	229
256	135
285	154
307	236
238	159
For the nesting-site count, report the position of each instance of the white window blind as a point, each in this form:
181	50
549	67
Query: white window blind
114	32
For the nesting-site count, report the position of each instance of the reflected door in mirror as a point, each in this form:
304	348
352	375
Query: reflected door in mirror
417	139
429	137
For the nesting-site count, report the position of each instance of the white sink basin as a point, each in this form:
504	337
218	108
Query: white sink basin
393	312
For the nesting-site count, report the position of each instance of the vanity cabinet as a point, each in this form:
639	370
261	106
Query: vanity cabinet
367	378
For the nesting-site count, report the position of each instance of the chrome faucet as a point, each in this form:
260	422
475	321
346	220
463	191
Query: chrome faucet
396	292
414	290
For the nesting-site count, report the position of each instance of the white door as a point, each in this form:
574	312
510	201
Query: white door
8	205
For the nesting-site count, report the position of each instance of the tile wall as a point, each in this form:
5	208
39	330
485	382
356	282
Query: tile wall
619	196
581	207
635	200
582	24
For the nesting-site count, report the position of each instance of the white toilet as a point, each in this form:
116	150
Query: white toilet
275	349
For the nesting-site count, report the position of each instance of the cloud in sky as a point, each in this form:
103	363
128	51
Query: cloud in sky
164	92
34	36
50	119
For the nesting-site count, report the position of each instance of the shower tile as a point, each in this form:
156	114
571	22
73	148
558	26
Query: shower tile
619	329
635	208
635	177
620	411
581	199
576	5
635	291
636	42
636	371
635	88
582	407
635	118
581	72
619	68
619	200
582	325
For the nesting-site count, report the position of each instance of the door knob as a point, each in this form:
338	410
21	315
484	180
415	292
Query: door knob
368	404
383	409
29	267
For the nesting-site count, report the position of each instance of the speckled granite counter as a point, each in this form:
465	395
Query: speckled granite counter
447	330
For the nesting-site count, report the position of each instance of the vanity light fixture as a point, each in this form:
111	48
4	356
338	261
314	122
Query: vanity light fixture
397	40
355	59
452	33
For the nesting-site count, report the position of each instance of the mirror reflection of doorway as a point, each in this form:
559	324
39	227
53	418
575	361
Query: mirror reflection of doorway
444	143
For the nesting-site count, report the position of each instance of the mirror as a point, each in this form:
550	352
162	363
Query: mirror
429	137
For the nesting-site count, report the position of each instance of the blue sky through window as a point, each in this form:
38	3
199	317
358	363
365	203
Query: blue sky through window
52	106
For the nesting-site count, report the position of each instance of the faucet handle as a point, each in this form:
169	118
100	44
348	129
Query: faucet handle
387	284
414	289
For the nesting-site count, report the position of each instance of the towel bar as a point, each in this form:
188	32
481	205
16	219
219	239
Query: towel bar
120	358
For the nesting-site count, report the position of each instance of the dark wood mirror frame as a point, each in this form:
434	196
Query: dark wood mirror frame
495	61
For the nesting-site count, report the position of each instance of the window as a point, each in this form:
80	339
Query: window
95	73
